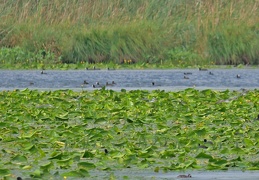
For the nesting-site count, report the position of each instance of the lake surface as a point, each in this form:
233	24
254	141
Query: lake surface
197	175
148	174
131	79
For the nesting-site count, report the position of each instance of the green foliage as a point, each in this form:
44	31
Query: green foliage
184	58
117	43
217	32
14	55
19	57
70	134
231	44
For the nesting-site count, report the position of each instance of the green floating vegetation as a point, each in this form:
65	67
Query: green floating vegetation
67	134
172	33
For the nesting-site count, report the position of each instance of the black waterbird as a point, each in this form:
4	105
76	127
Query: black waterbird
105	151
42	72
202	69
206	141
184	176
187	73
202	146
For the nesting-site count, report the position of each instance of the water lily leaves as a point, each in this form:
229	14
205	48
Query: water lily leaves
81	173
237	150
248	142
203	155
56	155
29	135
168	153
225	151
86	165
120	144
218	161
69	131
60	144
32	149
19	158
191	164
253	167
129	120
4	172
37	173
47	166
87	154
3	124
201	132
27	167
148	152
117	98
65	163
212	166
61	117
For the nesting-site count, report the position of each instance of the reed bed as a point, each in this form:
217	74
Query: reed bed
175	31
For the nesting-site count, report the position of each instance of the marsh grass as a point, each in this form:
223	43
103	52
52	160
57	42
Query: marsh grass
209	32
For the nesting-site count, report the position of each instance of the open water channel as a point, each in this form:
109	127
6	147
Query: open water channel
177	79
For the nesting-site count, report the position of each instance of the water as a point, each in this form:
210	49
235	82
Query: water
131	79
147	174
197	175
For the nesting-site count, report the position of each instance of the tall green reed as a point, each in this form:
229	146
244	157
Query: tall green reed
225	32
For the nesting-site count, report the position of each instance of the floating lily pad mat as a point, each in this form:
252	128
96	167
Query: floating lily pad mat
67	134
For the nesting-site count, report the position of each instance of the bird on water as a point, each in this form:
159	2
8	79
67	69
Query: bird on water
42	72
202	69
206	141
184	176
202	146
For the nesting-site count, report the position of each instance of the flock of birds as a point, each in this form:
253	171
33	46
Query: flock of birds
95	68
98	85
200	69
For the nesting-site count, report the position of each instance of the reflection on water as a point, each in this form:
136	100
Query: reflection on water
131	79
